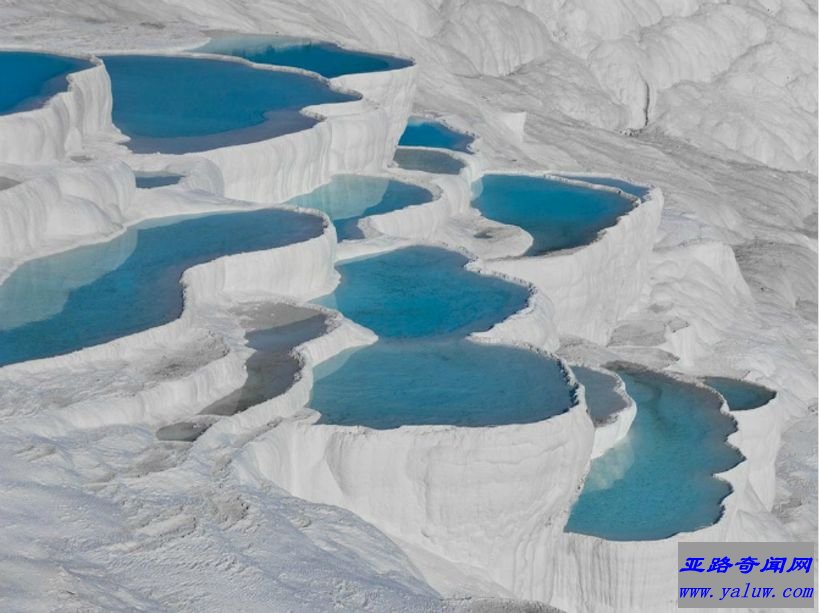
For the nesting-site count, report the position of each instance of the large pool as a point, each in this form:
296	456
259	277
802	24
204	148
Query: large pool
97	293
327	59
29	79
740	395
658	480
558	215
348	198
421	132
461	383
181	104
422	291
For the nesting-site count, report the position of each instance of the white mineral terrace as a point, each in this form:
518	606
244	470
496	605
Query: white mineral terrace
269	510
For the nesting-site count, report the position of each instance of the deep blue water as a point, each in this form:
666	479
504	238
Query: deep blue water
29	79
152	180
94	294
348	198
740	395
327	59
179	104
422	291
557	214
391	384
602	398
638	191
427	161
430	133
659	481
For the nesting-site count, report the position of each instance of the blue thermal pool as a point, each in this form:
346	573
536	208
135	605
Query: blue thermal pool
422	291
658	480
96	293
602	398
740	395
29	79
422	132
326	59
638	191
557	214
398	383
180	104
348	198
147	180
425	160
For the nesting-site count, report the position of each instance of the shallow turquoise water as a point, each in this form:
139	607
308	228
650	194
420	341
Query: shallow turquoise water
430	133
152	180
178	104
557	214
348	198
422	291
391	384
740	395
659	480
602	398
29	79
424	160
327	59
97	293
638	191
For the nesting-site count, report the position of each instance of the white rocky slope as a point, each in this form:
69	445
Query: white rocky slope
101	516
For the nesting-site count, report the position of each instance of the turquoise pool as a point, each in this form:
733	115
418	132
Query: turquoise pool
96	293
740	395
29	78
327	59
422	132
659	480
558	215
459	383
422	291
349	198
172	104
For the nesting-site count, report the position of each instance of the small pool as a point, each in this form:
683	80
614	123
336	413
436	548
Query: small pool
30	79
460	383
658	480
422	291
183	431
602	398
422	132
96	293
180	104
272	369
349	198
558	215
638	191
326	59
147	180
740	395
424	160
